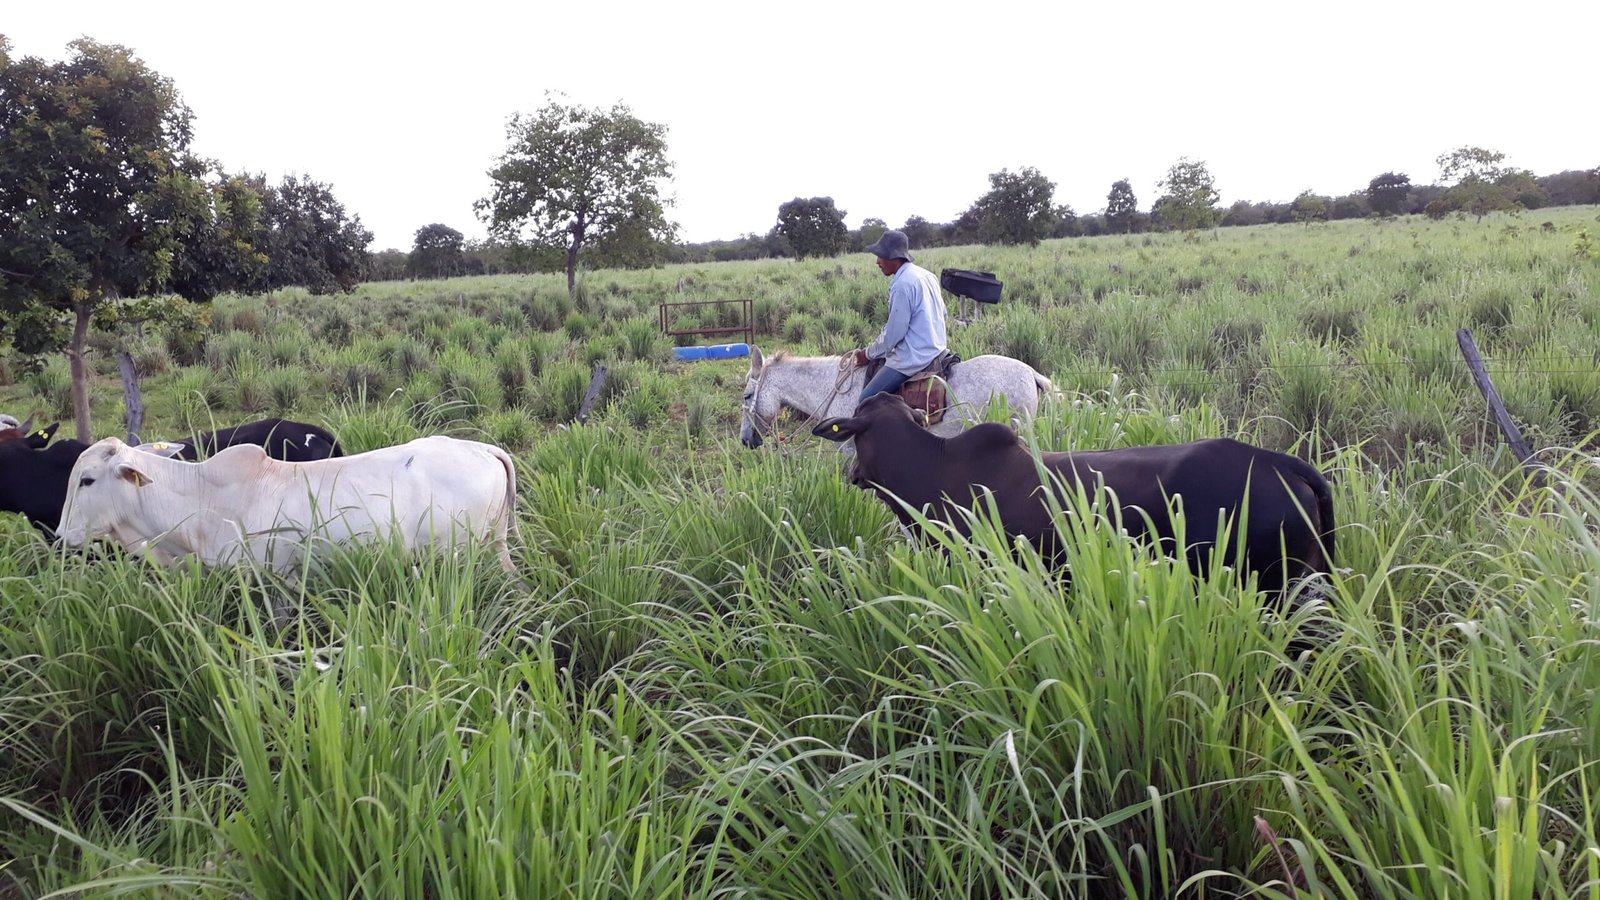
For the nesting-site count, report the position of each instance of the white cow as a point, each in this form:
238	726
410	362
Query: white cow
242	504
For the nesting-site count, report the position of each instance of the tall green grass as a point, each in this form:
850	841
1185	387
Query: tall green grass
727	673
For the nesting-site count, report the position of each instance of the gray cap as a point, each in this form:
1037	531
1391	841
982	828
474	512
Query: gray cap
893	245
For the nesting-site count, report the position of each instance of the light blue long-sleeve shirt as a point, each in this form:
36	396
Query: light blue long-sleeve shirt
914	334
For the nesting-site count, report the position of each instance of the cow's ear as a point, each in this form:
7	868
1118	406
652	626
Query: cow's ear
132	474
838	428
168	449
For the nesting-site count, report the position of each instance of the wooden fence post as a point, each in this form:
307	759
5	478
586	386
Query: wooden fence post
593	394
1497	407
131	397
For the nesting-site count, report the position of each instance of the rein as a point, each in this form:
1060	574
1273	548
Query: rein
845	370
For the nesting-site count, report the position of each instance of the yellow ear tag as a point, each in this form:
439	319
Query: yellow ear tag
160	445
835	428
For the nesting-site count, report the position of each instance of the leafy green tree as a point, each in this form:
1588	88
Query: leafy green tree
1574	187
634	244
871	230
813	226
436	252
310	243
1122	207
388	265
1480	184
1470	162
1018	208
919	232
1067	223
1309	207
1189	196
1387	193
222	235
98	191
572	174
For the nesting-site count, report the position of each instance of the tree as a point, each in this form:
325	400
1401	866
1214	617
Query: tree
310	243
388	265
436	252
223	232
1189	196
572	174
1470	162
1482	185
1066	222
1574	187
1309	207
919	232
1018	208
813	226
97	193
871	230
1387	193
635	243
1121	207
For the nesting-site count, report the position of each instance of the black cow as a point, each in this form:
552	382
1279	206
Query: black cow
33	481
896	456
27	434
283	439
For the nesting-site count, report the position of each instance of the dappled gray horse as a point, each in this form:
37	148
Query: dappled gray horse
821	386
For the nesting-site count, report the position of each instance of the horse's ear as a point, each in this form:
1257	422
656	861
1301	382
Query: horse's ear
756	361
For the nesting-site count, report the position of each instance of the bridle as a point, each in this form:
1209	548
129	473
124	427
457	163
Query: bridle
750	405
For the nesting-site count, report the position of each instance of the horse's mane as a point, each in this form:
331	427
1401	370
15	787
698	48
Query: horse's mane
779	356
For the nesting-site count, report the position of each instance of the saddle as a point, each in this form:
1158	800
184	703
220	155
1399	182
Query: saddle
928	390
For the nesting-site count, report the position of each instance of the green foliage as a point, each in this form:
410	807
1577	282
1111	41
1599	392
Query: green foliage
1387	193
1481	185
1122	207
1018	208
727	674
571	174
310	243
813	226
1309	207
101	194
1188	199
436	252
560	391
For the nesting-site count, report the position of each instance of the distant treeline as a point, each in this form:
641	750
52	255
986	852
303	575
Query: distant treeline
465	257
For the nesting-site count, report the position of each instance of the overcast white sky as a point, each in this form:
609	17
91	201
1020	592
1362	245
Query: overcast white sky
892	108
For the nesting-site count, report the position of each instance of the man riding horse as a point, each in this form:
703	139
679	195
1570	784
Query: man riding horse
913	339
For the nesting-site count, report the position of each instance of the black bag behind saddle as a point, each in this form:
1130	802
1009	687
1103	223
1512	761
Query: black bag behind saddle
927	390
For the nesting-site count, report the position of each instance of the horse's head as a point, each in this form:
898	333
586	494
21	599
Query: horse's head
760	406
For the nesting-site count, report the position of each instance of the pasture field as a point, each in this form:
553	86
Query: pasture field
729	675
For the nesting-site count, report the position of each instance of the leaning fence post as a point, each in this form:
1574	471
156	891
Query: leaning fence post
1497	406
130	396
593	394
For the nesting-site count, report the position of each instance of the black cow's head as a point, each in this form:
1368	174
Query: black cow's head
39	438
892	425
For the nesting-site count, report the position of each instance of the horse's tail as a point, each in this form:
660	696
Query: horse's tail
1044	386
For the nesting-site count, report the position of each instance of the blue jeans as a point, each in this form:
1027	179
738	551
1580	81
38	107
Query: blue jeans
887	381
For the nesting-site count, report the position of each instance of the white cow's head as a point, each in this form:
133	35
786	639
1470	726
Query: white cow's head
104	486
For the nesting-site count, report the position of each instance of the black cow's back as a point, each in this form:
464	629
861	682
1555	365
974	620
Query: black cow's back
283	439
34	482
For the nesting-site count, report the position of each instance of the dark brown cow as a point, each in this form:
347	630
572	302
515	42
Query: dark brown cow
897	458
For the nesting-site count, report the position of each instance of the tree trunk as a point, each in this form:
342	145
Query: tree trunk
572	268
80	372
131	398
